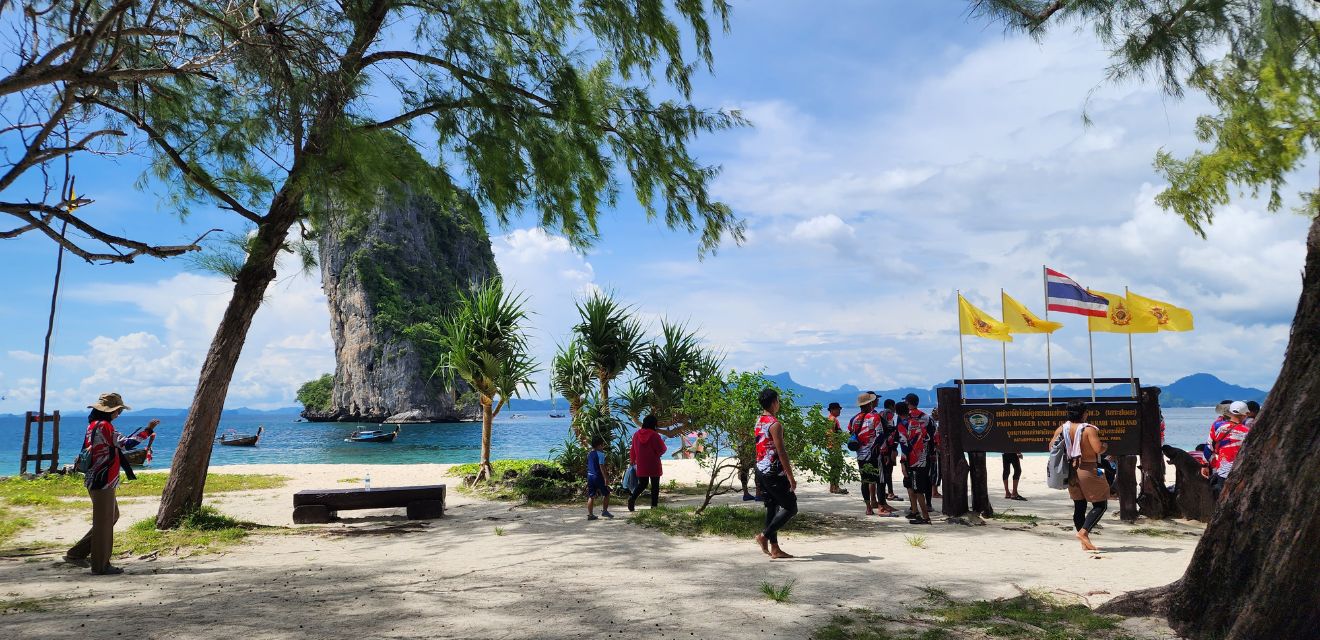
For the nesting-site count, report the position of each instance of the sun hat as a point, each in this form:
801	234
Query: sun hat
109	403
1222	408
1238	408
835	405
865	398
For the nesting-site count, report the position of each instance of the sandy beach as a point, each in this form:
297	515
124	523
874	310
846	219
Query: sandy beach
555	575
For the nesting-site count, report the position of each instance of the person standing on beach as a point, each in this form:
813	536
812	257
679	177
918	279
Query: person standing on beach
1085	484
1012	462
866	427
914	436
833	448
888	457
774	474
598	482
1227	446
646	451
105	448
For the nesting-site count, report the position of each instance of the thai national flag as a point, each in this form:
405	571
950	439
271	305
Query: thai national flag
1063	294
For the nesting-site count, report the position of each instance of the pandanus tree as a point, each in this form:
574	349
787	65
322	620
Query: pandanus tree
1253	574
665	369
612	340
484	343
310	109
571	376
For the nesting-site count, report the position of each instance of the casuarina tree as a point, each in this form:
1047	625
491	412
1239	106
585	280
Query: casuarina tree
1258	62
484	342
315	109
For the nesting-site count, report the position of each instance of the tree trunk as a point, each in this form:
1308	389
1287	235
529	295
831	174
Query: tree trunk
1154	499
1253	575
487	420
953	461
980	490
1193	497
187	479
1126	484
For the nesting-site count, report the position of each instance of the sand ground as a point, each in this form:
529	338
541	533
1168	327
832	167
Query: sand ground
555	575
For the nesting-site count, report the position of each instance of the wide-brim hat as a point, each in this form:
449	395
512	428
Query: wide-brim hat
834	405
866	398
110	403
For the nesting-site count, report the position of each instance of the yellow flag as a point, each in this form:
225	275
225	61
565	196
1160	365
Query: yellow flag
974	322
1167	317
1019	319
1121	319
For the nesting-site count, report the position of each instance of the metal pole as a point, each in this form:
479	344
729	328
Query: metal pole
1132	370
962	365
1090	349
1003	346
1049	366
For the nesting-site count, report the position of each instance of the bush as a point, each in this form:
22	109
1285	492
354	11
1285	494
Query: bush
318	394
498	467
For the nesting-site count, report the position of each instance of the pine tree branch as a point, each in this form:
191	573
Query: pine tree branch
24	211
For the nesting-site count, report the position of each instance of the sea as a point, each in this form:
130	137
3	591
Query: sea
289	440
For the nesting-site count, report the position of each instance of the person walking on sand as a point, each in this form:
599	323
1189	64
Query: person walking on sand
598	482
833	448
774	474
1013	463
646	451
1085	484
105	449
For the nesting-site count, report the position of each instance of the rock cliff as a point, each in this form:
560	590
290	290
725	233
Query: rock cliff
386	274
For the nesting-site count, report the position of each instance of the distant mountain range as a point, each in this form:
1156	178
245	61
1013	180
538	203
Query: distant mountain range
1196	390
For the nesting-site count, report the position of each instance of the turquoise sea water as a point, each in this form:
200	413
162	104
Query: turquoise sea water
529	434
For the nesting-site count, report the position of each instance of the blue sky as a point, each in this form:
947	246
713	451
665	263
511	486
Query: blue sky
900	152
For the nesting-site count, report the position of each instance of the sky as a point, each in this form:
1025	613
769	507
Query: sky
900	152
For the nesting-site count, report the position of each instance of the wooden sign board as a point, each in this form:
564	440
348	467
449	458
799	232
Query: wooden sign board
1026	428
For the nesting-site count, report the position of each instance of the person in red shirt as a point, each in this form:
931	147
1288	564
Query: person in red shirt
1226	445
834	451
868	428
646	451
774	474
915	436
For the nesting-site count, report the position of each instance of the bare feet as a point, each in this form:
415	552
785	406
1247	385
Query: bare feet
778	554
870	512
765	544
1086	540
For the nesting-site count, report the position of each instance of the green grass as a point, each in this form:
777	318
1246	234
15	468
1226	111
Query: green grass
499	531
349	480
1155	532
780	593
27	605
46	490
10	524
498	467
917	541
202	531
722	520
1033	615
1009	516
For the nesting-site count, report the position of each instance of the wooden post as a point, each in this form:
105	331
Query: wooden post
27	439
953	464
1127	488
980	490
55	442
1154	499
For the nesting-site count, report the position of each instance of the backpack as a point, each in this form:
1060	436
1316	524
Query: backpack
1059	467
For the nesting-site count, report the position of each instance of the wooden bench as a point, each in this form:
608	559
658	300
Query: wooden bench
315	506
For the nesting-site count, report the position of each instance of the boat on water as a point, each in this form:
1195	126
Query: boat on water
233	439
373	436
554	411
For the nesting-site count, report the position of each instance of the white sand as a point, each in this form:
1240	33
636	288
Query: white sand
555	575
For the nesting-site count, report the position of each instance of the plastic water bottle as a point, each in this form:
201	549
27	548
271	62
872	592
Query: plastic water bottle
366	482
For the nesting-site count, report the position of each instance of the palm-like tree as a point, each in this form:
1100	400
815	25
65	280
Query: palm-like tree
571	376
485	344
611	339
666	368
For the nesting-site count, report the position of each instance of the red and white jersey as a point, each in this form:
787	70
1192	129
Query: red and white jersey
765	445
1228	443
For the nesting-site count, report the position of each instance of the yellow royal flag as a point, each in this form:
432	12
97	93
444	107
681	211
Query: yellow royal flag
1167	317
1019	319
1121	318
974	322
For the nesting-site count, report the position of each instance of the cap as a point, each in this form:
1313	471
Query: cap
865	398
911	399
1238	408
111	402
835	405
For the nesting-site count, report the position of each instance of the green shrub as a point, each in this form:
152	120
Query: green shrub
203	530
318	394
498	467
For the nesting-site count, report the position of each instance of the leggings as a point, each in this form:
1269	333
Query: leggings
641	485
1084	520
780	504
1014	464
887	469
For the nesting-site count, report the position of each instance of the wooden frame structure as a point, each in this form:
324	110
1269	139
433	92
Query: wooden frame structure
31	419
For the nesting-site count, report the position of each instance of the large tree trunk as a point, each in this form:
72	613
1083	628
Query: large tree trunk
485	471
1254	573
187	479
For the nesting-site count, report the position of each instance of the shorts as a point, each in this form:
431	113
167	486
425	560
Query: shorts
918	479
870	476
596	487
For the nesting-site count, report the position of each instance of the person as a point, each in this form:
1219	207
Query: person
888	458
774	474
1227	446
646	451
1206	449
1012	462
834	448
914	436
1085	484
598	482
866	427
101	478
1253	408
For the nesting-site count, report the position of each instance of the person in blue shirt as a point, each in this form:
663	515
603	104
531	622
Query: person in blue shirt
598	484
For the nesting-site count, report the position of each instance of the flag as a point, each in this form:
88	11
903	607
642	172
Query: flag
1019	319
1121	318
1063	294
1167	317
974	322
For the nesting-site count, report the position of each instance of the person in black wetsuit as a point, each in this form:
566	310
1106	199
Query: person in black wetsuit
1013	463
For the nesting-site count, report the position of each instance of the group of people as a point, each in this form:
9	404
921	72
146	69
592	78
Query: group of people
1232	423
898	435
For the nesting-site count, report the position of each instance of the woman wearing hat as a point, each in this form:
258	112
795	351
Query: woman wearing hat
106	449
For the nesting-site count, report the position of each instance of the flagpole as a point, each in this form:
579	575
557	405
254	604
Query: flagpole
1090	349
1003	346
1049	368
1132	370
962	366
